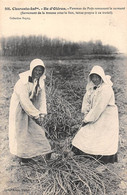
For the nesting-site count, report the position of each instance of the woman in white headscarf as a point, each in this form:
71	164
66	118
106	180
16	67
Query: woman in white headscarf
98	135
27	109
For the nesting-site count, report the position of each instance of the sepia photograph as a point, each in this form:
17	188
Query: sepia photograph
63	97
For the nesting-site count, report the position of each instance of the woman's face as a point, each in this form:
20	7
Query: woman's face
96	79
37	72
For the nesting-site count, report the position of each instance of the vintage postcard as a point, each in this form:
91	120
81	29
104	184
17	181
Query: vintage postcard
63	91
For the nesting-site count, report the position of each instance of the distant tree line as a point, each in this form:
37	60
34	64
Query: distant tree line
44	46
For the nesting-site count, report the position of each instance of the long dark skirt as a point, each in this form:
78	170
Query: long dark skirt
103	159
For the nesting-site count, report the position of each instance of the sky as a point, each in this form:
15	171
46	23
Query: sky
110	28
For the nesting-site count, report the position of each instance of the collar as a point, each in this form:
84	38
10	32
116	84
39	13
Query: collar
95	87
30	79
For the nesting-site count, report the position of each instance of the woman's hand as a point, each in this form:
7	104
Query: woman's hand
39	120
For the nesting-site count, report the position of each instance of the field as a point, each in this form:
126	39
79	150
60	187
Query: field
65	86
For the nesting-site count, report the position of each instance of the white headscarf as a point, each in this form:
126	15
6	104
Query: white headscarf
25	75
99	71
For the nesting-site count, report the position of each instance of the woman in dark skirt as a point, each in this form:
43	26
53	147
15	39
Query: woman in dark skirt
98	136
28	107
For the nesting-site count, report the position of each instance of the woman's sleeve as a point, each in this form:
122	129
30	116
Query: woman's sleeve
27	105
101	103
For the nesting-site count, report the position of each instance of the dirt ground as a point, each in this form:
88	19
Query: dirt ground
8	167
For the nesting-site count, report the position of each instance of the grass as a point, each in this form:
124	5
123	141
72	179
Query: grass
66	174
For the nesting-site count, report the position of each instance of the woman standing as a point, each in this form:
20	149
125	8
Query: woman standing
98	135
27	108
